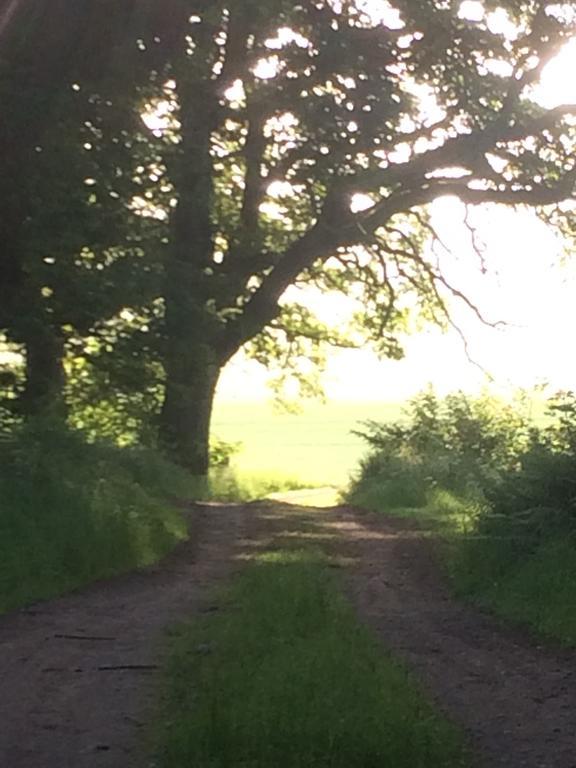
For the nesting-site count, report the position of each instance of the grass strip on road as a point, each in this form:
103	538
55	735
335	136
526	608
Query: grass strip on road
283	675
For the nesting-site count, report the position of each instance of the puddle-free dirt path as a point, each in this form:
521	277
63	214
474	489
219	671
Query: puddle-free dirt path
77	675
517	701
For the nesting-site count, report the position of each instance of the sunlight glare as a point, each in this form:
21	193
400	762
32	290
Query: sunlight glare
499	23
267	68
498	67
558	85
280	189
235	94
272	210
286	36
471	10
381	12
360	202
159	117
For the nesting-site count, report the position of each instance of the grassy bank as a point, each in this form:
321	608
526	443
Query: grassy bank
500	488
283	675
534	587
73	512
526	583
229	484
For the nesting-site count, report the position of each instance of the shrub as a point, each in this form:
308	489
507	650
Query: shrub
459	444
487	471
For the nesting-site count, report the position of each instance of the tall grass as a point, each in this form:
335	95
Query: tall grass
535	587
72	512
283	675
228	484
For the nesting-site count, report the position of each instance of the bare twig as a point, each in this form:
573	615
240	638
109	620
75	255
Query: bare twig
126	667
59	636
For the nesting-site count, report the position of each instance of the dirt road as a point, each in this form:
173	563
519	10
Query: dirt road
77	675
515	699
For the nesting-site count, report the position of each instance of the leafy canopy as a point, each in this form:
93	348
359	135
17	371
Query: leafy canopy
332	125
226	151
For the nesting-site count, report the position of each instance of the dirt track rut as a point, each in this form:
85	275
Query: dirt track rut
515	699
77	675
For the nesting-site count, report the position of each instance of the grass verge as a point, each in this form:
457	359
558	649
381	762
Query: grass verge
535	588
226	484
434	508
283	675
71	513
530	585
498	486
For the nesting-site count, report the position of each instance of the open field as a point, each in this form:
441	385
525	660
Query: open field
316	446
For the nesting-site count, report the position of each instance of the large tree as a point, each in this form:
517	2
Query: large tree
269	123
72	77
286	111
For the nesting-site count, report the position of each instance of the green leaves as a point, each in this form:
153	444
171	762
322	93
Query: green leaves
211	156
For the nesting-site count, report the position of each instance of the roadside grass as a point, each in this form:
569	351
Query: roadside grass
530	585
72	512
228	484
536	588
436	509
283	675
495	483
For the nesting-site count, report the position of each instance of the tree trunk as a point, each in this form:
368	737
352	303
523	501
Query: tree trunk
191	379
45	376
192	362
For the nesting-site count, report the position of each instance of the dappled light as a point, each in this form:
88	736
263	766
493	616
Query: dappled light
287	397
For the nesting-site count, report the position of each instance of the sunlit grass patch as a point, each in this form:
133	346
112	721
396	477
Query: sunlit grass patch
436	508
317	445
227	484
325	496
283	675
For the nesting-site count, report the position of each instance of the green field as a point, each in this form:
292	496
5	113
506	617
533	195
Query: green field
316	445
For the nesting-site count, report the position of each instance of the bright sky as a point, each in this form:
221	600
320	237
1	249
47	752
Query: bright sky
525	286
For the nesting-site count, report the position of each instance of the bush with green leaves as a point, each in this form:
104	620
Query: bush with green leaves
485	469
537	498
460	444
